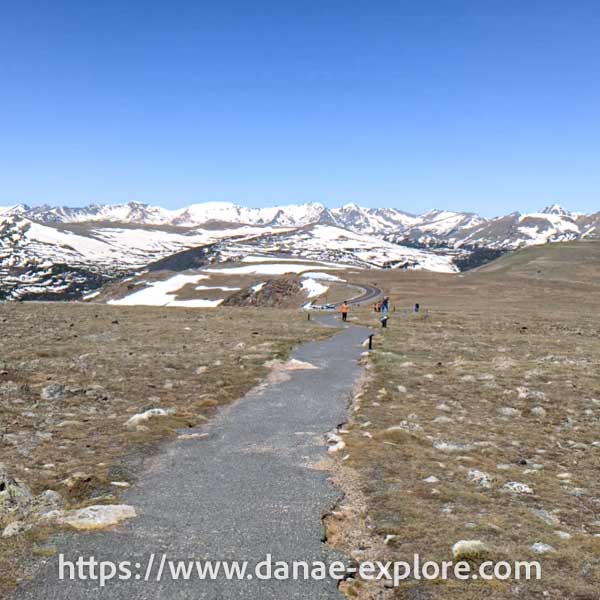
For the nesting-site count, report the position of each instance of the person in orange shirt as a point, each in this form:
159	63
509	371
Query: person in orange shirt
344	309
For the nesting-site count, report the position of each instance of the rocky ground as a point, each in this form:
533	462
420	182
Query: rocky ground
479	420
274	292
88	391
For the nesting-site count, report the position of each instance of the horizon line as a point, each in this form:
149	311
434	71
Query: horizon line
25	205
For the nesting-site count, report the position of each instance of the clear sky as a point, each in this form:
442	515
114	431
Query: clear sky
482	105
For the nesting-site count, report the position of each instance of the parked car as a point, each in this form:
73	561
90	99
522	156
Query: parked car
322	306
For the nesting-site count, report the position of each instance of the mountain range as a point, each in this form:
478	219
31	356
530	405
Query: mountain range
64	252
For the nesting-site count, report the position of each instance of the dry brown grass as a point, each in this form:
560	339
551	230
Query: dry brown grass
488	342
118	361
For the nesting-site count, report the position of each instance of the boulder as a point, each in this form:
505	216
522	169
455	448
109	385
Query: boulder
141	418
447	446
14	494
54	391
336	443
15	528
469	550
45	502
98	516
480	478
509	411
515	487
548	517
540	548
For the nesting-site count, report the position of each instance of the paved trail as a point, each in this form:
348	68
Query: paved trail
244	492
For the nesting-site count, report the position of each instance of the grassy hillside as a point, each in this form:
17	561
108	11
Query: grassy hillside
569	261
495	381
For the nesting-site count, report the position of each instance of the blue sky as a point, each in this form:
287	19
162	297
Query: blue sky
489	106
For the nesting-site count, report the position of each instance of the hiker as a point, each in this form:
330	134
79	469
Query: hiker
344	309
385	305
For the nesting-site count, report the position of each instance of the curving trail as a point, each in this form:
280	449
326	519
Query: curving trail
370	294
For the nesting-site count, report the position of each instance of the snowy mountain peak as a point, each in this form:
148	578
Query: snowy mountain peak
16	209
556	209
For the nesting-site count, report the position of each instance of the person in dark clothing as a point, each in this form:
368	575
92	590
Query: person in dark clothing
385	305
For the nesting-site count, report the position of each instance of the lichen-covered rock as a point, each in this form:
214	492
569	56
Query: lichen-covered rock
540	548
516	487
54	391
538	411
15	528
509	411
447	446
45	502
548	517
76	479
480	478
14	494
144	417
469	550
98	516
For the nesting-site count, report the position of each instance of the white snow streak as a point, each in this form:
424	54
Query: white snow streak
161	293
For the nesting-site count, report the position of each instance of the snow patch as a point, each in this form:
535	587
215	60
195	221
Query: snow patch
322	276
160	293
314	288
267	269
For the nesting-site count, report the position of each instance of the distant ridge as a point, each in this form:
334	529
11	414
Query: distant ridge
430	229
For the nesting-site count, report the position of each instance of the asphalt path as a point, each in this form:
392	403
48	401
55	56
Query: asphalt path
370	294
247	490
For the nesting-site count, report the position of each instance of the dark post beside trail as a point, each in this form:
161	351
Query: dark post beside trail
371	342
384	321
308	315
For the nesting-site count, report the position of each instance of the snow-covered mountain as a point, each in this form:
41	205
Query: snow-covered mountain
335	245
191	216
444	229
54	261
433	228
55	252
